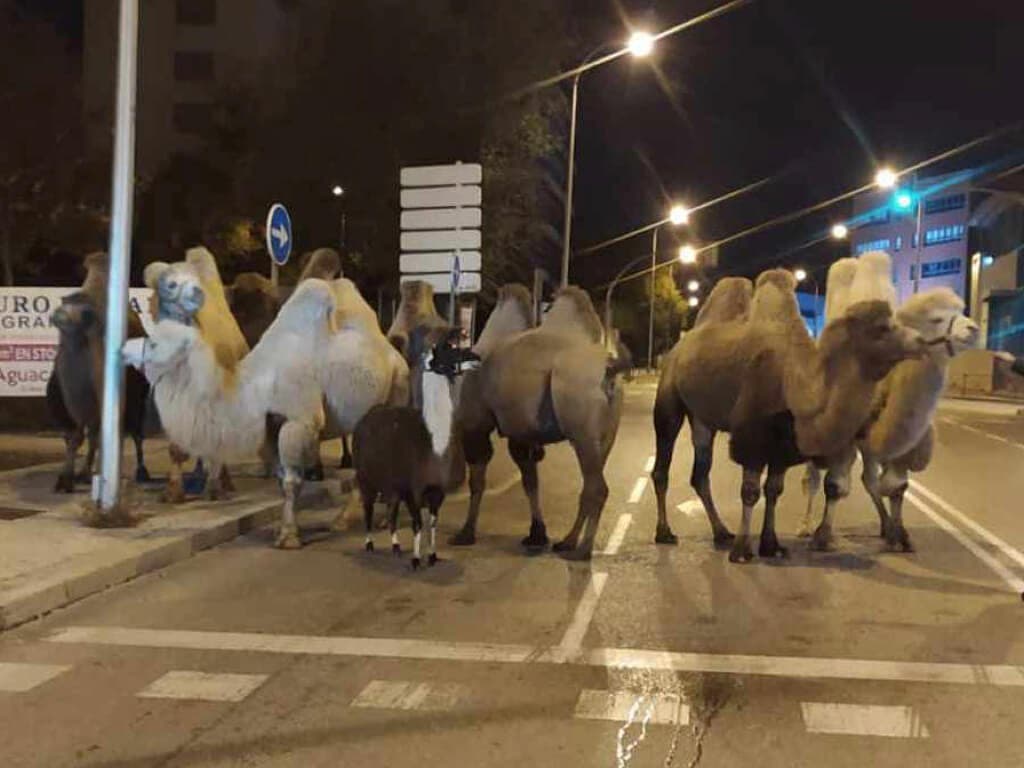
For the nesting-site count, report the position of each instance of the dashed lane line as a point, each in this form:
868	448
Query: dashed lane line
997	675
638	490
577	630
618	534
649	466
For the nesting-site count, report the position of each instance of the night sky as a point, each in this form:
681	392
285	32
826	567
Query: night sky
812	92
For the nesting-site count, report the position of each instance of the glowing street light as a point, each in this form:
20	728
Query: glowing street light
338	190
840	231
693	286
688	254
904	200
800	275
693	301
641	44
886	178
679	214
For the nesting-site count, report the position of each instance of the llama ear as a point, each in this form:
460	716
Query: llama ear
153	272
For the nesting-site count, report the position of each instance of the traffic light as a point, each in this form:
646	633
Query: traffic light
903	200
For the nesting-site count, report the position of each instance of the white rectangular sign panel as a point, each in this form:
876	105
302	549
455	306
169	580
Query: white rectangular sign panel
442	175
441	197
28	342
469	282
441	240
442	218
469	261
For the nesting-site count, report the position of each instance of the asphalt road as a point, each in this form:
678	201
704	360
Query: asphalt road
647	656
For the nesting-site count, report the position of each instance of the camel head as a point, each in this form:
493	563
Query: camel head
323	264
573	312
178	290
77	317
869	333
938	315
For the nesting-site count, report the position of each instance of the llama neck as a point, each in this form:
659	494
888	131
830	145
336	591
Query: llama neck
438	411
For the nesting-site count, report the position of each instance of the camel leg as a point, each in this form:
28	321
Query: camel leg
478	453
416	514
294	444
288	535
525	457
750	494
591	503
85	476
812	487
668	420
894	485
227	484
837	487
174	493
346	454
773	487
396	547
870	477
66	479
214	489
703	440
141	473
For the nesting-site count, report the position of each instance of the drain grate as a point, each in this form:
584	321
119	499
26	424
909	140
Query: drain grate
14	513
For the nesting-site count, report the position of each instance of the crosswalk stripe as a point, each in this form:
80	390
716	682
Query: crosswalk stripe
632	707
202	686
863	720
19	677
400	694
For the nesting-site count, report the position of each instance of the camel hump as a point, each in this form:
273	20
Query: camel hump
837	287
775	298
573	311
728	301
323	263
873	279
253	282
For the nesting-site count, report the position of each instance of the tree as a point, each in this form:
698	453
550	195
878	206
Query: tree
631	313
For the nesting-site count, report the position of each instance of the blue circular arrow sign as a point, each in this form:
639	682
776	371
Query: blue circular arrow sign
279	234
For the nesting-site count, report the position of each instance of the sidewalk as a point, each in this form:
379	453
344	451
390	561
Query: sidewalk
49	558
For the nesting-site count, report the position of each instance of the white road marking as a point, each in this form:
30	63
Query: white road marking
1013	554
638	490
17	677
399	694
496	491
606	658
691	508
577	630
632	706
1016	584
618	534
863	720
202	686
649	466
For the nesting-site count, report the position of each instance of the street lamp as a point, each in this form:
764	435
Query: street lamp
337	191
679	214
693	301
840	231
688	254
800	275
640	45
693	286
886	178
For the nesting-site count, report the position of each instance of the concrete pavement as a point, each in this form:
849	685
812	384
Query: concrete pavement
647	656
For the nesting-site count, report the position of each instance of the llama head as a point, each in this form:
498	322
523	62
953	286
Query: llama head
77	316
938	315
869	333
178	290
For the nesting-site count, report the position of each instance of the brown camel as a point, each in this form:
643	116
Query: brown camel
781	397
537	387
254	302
416	310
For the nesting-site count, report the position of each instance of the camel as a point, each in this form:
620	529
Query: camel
899	435
253	301
537	387
416	309
218	327
73	392
781	397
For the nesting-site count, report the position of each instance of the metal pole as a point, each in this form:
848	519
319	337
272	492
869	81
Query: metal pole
917	240
344	239
650	321
567	229
107	487
275	273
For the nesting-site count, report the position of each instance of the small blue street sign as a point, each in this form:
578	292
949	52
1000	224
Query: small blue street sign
279	234
456	274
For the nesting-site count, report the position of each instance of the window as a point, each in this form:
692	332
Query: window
193	66
195	119
938	268
196	13
872	245
948	203
876	217
899	242
948	234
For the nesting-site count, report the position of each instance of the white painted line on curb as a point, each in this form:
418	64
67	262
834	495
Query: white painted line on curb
632	707
618	534
863	720
638	490
399	694
1016	584
649	466
18	677
608	658
202	686
1014	554
577	630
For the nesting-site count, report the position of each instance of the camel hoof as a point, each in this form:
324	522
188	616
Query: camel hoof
741	551
463	538
432	560
346	462
804	532
415	563
898	541
538	538
288	539
369	546
665	536
772	549
575	555
396	550
64	484
724	538
565	545
822	540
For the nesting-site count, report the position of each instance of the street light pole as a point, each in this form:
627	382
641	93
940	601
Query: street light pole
567	228
107	486
918	243
650	319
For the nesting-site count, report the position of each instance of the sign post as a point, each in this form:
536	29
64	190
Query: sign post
279	239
